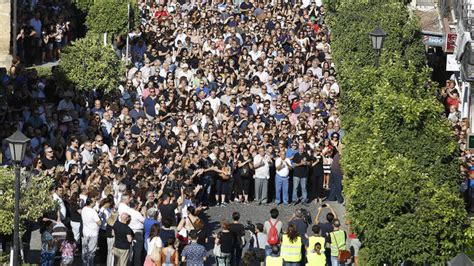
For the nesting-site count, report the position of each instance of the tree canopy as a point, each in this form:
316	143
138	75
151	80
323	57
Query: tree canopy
400	155
110	16
88	65
35	199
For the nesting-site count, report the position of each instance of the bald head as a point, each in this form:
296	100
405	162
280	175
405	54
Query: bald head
124	217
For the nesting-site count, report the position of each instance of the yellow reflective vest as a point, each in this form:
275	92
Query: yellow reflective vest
291	251
316	239
315	259
337	237
273	261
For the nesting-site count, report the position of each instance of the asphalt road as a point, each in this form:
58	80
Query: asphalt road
259	214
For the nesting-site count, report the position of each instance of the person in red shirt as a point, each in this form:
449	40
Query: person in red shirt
314	25
452	99
161	14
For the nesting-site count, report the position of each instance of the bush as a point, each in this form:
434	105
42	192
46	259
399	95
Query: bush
87	64
35	199
110	16
400	154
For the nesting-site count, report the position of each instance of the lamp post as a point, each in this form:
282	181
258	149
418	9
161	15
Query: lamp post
17	143
14	28
377	36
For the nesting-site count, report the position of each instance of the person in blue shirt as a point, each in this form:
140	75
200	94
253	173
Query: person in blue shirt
149	221
150	102
194	254
202	87
292	150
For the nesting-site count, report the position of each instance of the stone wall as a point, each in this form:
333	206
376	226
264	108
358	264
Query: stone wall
5	33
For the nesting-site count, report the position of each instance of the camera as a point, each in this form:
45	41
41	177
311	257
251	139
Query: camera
250	226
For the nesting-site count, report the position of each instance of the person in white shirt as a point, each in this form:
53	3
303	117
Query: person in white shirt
184	71
90	231
261	163
255	53
100	145
57	197
283	166
87	154
130	206
214	101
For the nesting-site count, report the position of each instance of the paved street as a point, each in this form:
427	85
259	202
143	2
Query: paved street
258	214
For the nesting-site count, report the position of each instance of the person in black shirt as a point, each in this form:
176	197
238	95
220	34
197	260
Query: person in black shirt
123	239
301	162
226	239
205	179
163	49
48	159
317	173
168	207
238	231
300	224
75	216
166	230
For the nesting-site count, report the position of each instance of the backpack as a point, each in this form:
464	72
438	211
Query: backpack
273	234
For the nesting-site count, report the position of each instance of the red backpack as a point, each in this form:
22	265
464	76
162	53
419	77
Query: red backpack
272	237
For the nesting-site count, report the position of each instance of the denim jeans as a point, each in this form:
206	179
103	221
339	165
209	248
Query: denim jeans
296	182
281	183
225	260
334	262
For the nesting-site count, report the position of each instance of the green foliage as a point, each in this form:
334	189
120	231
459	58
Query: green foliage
359	20
83	5
35	199
88	64
43	71
400	153
110	16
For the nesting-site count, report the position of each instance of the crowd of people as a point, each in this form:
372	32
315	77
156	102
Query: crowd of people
45	27
449	95
277	242
223	102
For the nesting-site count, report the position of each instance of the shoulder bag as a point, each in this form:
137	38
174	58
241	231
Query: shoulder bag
343	254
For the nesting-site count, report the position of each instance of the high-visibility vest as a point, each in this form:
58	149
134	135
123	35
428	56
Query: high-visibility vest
316	239
273	261
291	251
315	259
338	237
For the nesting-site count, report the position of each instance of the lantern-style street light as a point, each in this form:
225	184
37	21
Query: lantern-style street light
377	37
17	143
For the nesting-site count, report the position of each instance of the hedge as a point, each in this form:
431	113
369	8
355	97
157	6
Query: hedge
400	156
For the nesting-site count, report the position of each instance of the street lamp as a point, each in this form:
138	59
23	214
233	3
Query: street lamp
377	36
17	143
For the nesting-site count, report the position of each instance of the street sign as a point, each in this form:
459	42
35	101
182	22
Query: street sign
432	40
470	141
450	43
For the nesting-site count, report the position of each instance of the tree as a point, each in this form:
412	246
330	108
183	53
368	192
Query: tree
34	201
83	5
400	155
88	65
110	16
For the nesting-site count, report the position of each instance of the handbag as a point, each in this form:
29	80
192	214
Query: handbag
217	250
343	254
155	253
